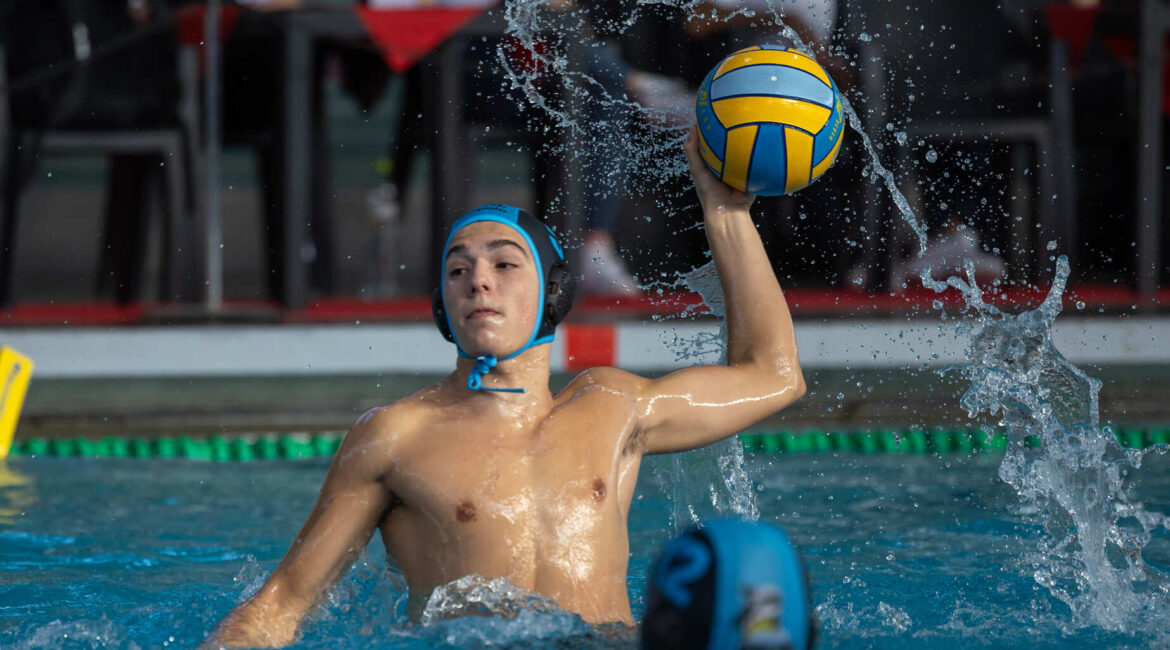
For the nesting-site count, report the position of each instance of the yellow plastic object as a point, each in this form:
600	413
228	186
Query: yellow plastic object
15	372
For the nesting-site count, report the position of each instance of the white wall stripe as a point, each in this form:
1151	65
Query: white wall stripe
418	348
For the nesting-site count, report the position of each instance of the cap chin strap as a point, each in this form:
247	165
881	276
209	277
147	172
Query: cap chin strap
484	365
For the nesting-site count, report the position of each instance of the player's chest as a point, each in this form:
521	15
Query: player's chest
468	475
489	463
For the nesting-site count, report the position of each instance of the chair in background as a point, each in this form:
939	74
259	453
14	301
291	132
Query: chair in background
1048	134
136	151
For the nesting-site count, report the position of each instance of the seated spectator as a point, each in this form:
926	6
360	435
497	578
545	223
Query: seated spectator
946	255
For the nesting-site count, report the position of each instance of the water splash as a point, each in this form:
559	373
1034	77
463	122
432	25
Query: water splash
588	107
842	619
250	578
474	595
476	612
1073	474
370	602
711	481
879	171
91	633
652	144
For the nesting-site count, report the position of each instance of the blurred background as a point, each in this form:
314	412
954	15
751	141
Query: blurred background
224	216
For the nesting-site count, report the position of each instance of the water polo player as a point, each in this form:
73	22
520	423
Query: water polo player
733	585
488	472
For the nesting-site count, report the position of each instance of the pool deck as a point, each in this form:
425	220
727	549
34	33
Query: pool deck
197	406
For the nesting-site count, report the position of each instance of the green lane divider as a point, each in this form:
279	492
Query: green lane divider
324	445
216	448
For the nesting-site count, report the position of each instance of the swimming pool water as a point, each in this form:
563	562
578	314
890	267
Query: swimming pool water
903	552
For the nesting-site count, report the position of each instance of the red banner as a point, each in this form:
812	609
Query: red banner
190	22
406	35
1073	25
588	346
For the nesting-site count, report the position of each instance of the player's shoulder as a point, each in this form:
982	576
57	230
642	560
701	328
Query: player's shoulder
392	422
610	378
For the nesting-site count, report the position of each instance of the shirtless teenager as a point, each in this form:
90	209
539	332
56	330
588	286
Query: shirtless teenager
529	486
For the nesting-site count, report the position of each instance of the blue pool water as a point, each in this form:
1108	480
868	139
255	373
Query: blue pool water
903	551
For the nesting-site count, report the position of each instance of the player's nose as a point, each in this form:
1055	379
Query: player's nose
481	280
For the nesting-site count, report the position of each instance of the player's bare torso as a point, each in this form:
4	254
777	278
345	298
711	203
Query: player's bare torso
537	496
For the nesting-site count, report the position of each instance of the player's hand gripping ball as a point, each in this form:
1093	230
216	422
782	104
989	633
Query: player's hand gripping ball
770	120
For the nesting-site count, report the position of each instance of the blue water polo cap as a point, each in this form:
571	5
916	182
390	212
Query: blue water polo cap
556	289
731	584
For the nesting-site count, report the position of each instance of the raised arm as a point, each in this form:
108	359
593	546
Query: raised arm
351	503
697	406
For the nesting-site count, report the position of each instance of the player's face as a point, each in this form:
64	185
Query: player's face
491	289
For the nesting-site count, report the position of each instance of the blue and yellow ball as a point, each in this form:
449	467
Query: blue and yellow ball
770	120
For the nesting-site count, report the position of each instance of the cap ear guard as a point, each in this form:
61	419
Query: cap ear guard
559	292
439	313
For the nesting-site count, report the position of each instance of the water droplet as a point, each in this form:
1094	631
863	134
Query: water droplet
1051	244
931	156
1080	304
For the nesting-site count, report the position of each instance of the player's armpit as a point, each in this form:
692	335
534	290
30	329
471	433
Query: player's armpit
698	406
352	501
